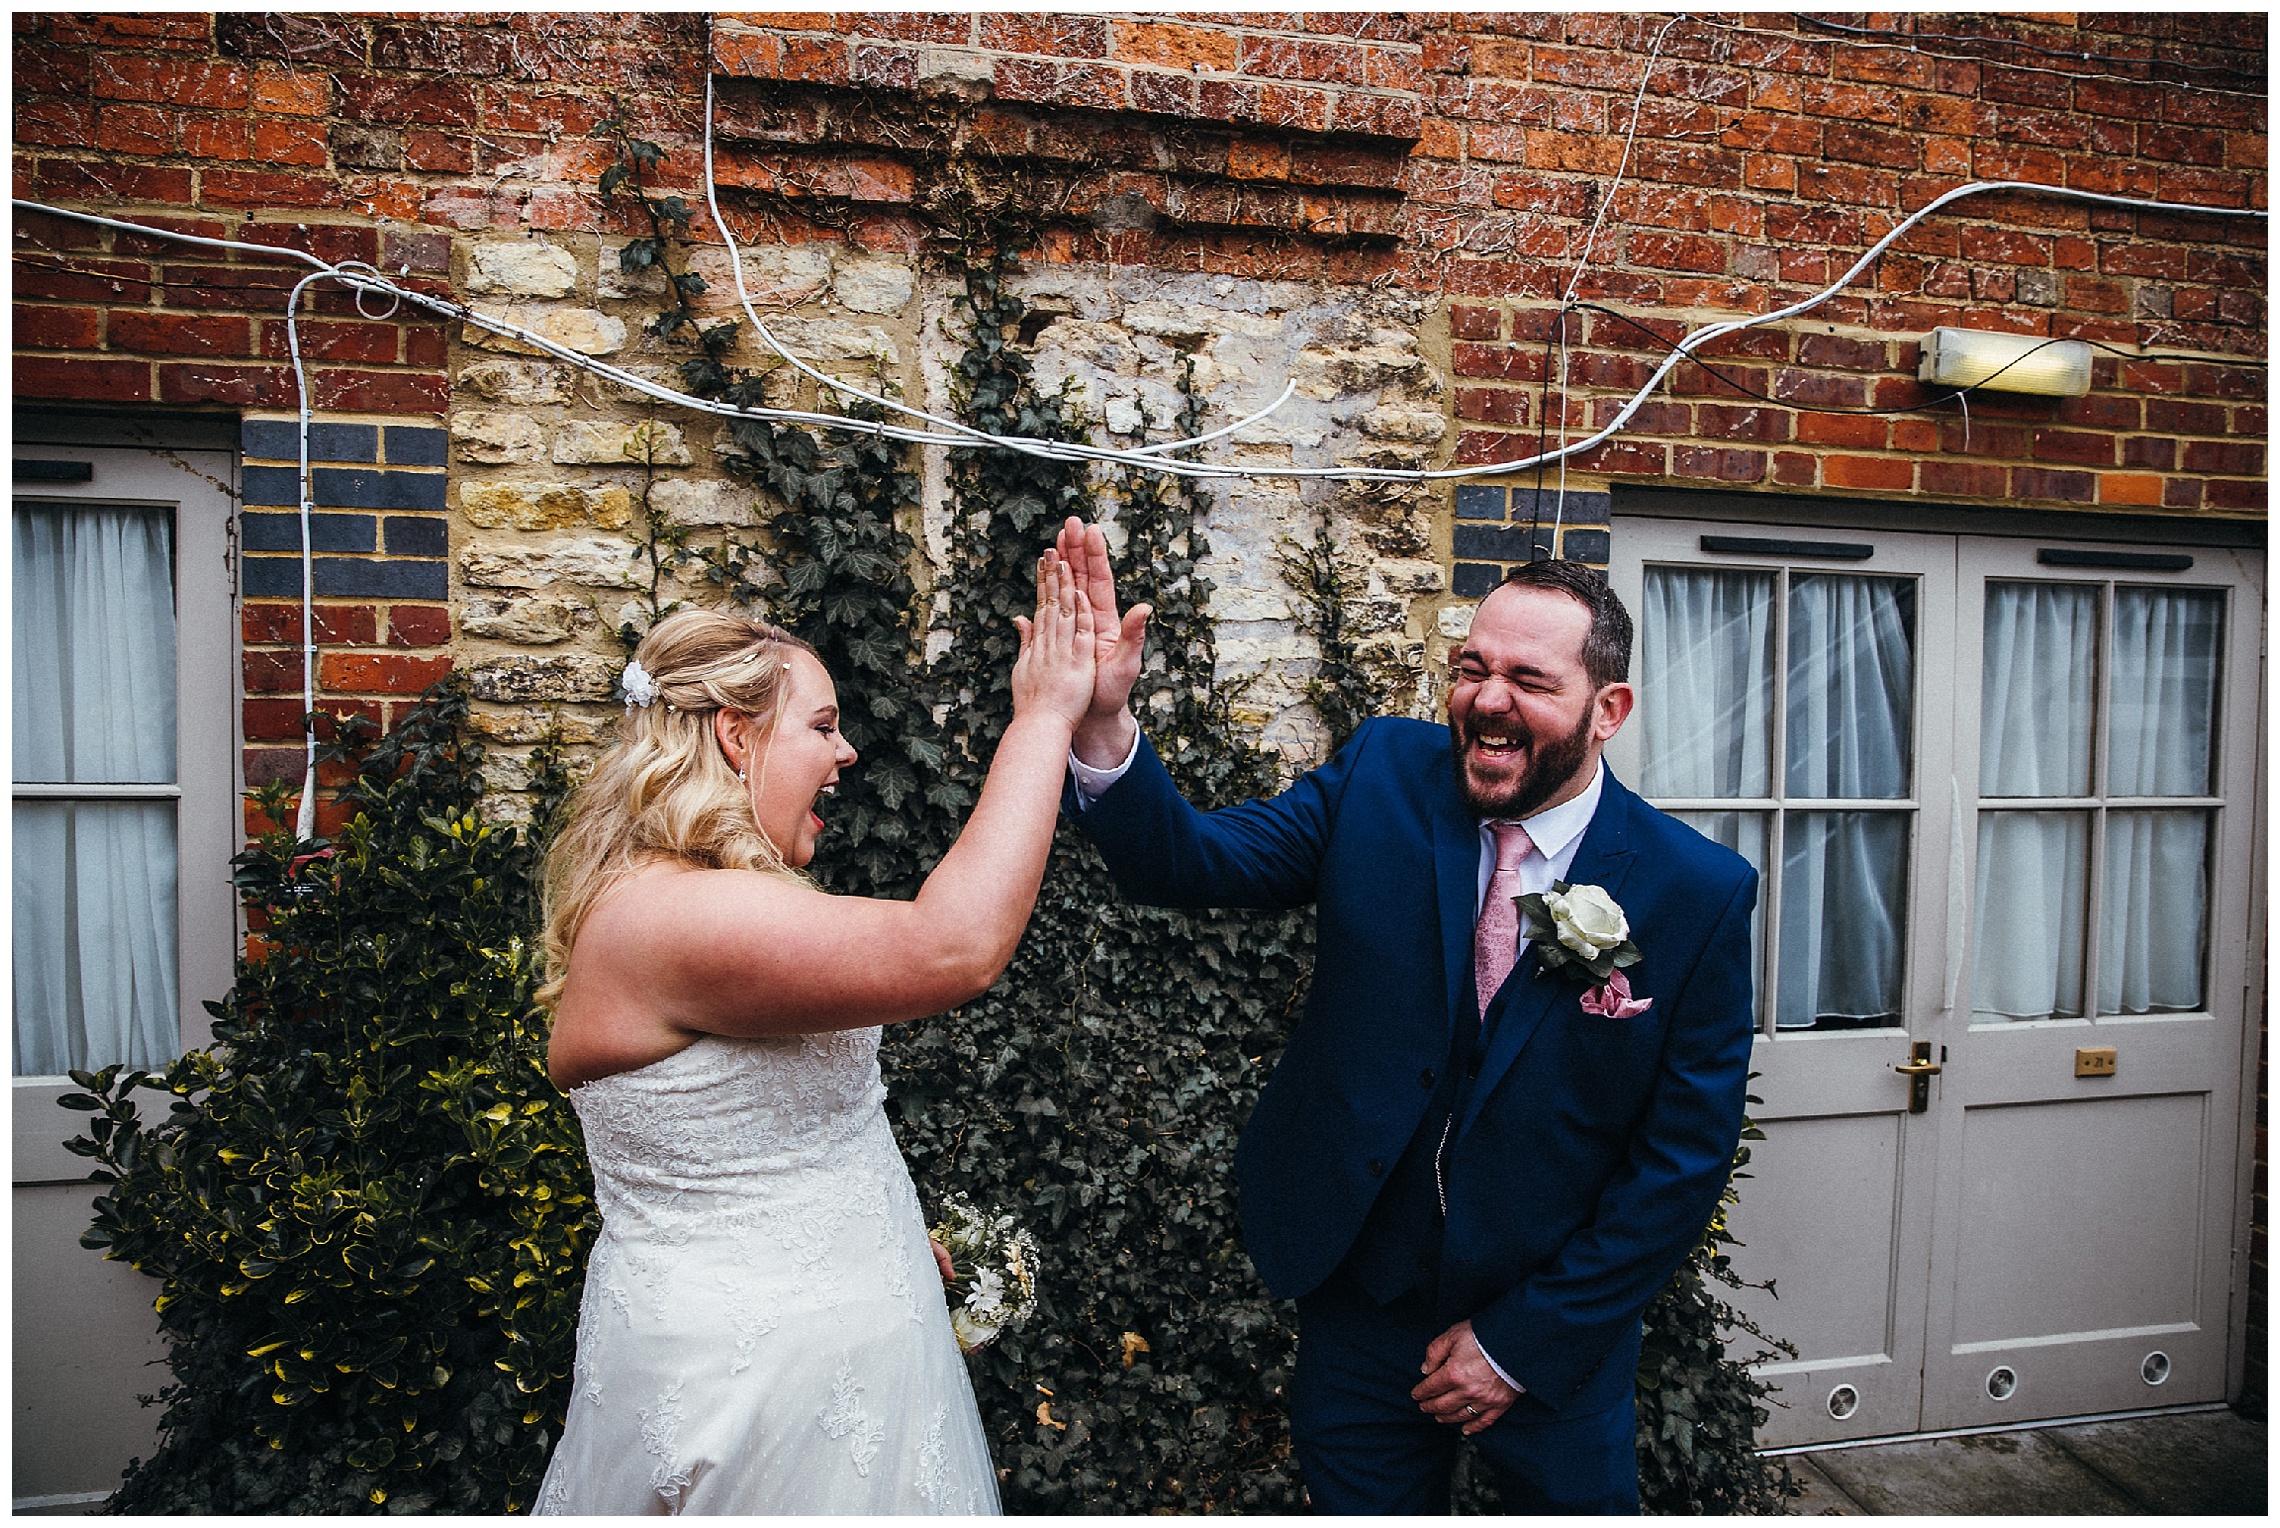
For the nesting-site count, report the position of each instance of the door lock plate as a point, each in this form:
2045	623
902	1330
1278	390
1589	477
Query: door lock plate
1919	1069
2095	1061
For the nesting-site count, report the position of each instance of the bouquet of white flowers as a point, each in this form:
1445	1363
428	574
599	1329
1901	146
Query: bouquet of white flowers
996	1262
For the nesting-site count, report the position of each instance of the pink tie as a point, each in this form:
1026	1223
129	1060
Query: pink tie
1496	937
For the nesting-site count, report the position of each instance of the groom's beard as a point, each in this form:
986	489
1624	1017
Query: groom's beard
1550	767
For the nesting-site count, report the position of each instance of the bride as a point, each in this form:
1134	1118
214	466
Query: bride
763	1329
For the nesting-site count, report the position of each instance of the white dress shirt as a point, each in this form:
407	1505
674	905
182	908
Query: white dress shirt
1554	835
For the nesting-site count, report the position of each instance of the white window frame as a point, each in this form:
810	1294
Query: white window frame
2233	760
1926	564
200	487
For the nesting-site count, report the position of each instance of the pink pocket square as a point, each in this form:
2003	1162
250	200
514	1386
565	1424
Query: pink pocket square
1612	999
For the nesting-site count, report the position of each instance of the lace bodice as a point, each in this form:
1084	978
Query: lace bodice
728	1120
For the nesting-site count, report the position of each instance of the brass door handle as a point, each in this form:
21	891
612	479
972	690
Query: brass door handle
1919	1069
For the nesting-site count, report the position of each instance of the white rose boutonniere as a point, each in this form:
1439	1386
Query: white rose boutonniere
1578	928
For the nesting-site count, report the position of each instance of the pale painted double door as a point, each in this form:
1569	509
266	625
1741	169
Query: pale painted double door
2005	799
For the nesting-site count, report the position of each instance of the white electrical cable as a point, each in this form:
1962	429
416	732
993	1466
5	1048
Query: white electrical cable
1682	349
1583	262
1638	100
1560	455
305	824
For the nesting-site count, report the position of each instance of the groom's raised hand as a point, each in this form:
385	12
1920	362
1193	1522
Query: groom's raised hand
1104	737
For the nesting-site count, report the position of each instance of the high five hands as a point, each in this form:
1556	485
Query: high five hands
1104	735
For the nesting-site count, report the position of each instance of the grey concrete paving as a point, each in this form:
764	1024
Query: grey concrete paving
2211	1462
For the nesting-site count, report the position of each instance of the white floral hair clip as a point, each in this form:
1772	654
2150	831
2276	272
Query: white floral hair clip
639	685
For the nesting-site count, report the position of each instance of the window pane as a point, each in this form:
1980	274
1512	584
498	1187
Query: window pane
2037	687
1844	878
2165	691
1706	678
2033	911
94	634
1747	834
2156	914
1851	677
94	923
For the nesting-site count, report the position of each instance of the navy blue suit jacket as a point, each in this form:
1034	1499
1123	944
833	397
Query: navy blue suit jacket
1588	1154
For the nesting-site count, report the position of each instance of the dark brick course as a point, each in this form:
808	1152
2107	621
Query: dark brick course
420	536
327	533
415	446
1472	580
1480	501
349	578
278	440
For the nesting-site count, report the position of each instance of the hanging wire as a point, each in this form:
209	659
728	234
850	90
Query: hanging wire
1173	465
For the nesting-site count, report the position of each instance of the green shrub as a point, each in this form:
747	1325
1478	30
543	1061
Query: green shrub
368	1206
1699	1406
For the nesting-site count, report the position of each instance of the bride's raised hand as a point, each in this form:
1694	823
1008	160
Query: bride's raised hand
1054	671
1121	644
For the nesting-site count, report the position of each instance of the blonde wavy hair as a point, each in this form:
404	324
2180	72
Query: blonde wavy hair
665	790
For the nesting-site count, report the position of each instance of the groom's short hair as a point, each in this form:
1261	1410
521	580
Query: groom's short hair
1607	645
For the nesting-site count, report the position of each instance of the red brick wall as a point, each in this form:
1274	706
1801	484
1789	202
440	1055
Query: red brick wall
1768	158
1765	166
355	138
1342	72
1462	154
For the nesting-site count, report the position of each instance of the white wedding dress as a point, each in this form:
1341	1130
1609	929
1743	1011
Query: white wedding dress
764	1330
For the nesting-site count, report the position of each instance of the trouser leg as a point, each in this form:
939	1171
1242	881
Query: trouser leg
1575	1465
1363	1444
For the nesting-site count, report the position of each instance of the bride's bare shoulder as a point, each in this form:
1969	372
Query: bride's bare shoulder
665	897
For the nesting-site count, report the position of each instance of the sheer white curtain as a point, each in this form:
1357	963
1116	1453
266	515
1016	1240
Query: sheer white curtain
1706	702
1844	874
94	703
1706	682
2154	930
2036	708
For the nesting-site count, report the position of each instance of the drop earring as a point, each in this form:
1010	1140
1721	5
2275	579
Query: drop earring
740	777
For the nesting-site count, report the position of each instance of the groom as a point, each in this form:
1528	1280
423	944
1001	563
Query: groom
1471	1169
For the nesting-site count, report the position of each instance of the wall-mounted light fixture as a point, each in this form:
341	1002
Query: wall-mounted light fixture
2010	363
